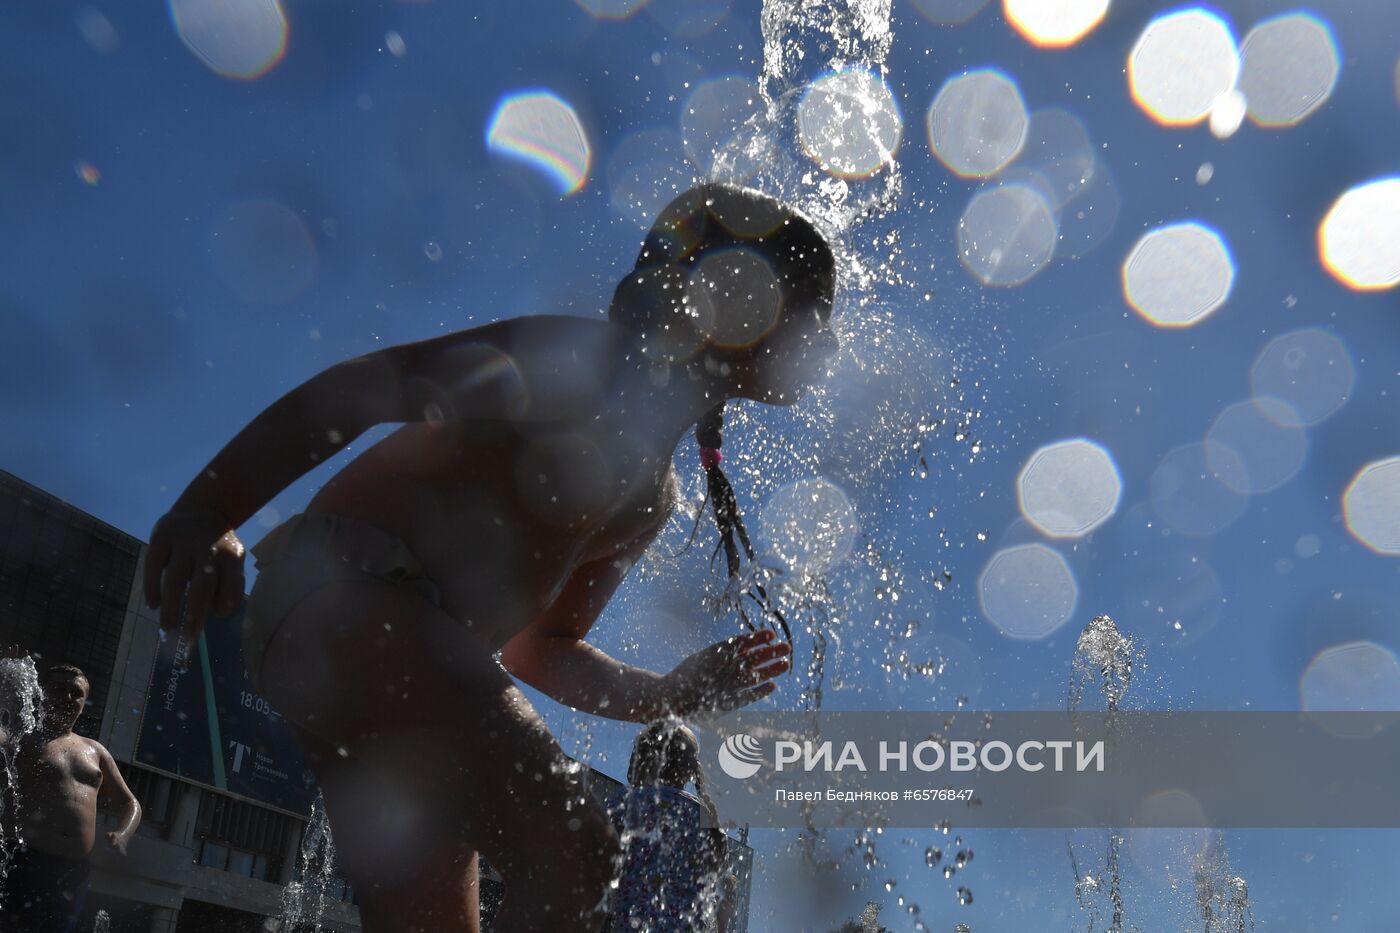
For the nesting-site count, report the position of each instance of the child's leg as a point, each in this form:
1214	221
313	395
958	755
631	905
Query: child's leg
432	884
426	751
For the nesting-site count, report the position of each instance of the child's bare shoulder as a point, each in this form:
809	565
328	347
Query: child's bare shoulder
566	363
562	363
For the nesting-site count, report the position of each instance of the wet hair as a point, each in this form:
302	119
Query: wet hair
666	753
713	218
64	672
652	301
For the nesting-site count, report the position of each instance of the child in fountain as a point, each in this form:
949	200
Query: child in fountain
675	876
533	471
61	778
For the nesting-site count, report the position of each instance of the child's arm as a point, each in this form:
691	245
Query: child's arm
551	656
452	376
119	797
459	375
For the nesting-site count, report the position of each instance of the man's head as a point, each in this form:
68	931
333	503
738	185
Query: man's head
66	691
734	275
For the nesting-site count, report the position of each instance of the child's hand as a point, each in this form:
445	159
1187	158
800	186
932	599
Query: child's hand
193	549
727	675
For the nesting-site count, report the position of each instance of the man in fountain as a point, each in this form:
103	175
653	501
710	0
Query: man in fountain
61	777
533	469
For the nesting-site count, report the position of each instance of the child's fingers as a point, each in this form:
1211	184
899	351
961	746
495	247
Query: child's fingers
771	671
767	653
751	639
745	697
739	647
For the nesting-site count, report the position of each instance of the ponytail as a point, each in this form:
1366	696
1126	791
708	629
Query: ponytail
732	533
709	432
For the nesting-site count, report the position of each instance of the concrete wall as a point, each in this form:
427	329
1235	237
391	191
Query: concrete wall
136	657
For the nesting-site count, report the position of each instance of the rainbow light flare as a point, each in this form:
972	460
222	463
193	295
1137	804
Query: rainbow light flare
538	128
1371	506
88	172
242	39
1359	239
1181	66
1054	24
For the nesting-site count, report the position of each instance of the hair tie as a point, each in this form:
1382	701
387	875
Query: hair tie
710	457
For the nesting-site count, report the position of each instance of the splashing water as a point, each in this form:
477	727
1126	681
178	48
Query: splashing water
870	917
825	140
1091	891
1222	897
792	148
20	703
800	37
824	137
1086	889
661	836
102	923
1103	655
304	900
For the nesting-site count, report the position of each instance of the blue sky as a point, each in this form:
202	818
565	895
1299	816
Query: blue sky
142	330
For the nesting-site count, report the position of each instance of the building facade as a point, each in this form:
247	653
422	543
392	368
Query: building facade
227	800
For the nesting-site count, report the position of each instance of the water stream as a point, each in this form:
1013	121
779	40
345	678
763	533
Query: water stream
1104	658
304	900
1222	896
20	703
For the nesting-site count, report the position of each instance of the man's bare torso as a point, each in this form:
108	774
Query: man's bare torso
59	781
501	511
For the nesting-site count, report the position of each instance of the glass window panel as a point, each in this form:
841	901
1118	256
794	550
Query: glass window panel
240	862
214	855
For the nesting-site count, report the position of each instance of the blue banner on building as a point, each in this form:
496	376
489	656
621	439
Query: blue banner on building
205	723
